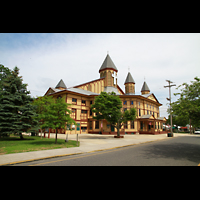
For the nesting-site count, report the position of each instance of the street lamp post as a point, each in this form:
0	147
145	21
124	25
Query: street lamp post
169	99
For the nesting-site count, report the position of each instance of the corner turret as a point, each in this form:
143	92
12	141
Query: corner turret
129	84
145	89
61	85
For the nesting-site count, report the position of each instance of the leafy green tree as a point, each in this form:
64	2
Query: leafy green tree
42	105
108	106
16	111
187	107
178	120
58	116
4	73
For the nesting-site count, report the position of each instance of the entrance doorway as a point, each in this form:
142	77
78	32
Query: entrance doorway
112	128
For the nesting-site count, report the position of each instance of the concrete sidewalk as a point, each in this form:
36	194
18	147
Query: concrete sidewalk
88	143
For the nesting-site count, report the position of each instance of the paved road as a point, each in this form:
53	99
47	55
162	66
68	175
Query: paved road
180	151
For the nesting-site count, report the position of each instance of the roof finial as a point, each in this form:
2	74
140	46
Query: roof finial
107	52
144	78
128	69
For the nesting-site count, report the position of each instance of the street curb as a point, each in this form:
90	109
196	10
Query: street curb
36	159
70	154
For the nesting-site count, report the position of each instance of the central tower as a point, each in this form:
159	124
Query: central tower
109	71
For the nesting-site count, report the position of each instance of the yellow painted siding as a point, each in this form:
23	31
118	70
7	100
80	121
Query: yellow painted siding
152	98
96	86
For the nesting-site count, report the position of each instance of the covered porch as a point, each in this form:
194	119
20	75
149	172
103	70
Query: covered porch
148	124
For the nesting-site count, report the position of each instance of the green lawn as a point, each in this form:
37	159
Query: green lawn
13	144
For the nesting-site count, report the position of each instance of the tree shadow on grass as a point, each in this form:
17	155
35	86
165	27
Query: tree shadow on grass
59	143
15	139
46	142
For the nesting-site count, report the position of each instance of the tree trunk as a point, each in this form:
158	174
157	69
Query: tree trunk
56	135
41	134
21	136
118	133
190	127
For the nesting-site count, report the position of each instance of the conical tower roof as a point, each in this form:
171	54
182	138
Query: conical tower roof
129	79
145	87
61	84
108	63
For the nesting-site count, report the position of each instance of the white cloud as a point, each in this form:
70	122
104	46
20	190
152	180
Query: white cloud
44	59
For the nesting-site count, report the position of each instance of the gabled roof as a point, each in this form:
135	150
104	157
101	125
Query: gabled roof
150	117
147	116
73	90
161	118
52	90
129	79
61	84
108	63
150	96
145	87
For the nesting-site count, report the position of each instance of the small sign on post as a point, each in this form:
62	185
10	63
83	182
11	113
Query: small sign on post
66	138
77	140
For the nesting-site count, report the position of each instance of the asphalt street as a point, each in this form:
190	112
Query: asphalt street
180	151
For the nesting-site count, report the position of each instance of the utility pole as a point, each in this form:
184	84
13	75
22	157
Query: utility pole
169	99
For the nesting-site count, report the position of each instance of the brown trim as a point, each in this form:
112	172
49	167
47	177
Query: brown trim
152	132
74	103
141	98
131	132
83	120
82	104
48	91
75	113
106	133
129	82
120	90
108	69
66	98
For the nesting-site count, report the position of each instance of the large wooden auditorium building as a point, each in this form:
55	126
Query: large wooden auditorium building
82	96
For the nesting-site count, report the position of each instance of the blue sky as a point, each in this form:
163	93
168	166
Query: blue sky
45	58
